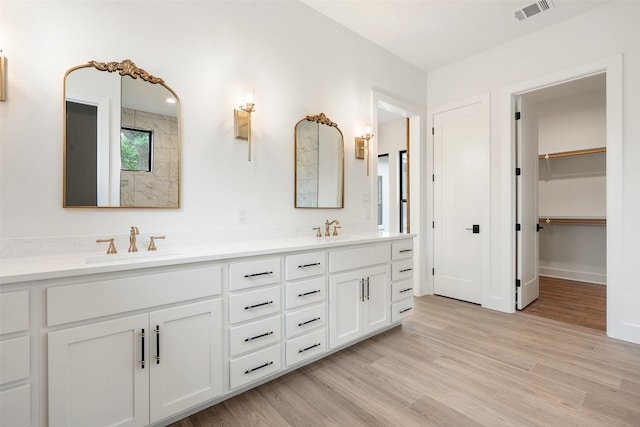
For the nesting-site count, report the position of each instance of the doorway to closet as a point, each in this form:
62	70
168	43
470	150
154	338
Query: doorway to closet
561	202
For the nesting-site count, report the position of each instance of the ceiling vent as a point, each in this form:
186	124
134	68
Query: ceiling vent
533	9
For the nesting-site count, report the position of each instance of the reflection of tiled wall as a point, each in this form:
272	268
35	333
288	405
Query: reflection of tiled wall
158	188
307	164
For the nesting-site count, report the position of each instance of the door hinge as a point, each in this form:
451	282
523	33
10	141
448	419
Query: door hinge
433	178
433	271
518	171
433	131
517	283
433	224
518	227
518	115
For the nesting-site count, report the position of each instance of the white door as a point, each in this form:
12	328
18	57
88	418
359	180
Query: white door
377	307
96	377
527	204
461	200
186	357
347	296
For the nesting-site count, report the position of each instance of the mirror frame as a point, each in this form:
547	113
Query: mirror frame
323	120
124	68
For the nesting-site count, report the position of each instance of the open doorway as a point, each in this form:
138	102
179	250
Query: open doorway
561	201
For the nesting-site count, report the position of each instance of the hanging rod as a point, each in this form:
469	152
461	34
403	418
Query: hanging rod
572	153
568	220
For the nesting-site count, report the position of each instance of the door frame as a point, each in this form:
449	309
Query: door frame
613	67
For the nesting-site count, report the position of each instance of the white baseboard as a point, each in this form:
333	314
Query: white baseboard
580	276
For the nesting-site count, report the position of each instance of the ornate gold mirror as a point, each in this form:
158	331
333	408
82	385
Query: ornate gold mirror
121	138
319	163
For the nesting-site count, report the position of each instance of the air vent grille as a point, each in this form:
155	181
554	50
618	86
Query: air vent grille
532	9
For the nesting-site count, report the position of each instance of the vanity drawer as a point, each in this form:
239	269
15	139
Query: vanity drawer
254	366
102	298
349	259
254	336
401	309
301	266
401	290
14	312
249	274
305	320
251	305
402	249
306	346
402	269
306	292
15	407
14	359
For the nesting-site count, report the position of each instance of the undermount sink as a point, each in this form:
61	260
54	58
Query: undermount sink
127	256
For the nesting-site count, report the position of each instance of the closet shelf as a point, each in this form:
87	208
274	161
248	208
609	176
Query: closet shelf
572	220
572	153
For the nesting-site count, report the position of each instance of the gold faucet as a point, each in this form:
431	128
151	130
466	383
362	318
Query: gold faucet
152	243
326	227
112	247
132	239
318	233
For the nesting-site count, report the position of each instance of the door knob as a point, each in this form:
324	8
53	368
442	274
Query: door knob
475	228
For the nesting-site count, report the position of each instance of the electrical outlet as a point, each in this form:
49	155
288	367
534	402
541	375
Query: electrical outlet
242	216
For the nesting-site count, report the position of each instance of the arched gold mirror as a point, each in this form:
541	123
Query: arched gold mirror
121	138
319	163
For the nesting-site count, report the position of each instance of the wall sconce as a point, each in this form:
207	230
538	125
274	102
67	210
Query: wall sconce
3	78
362	146
242	120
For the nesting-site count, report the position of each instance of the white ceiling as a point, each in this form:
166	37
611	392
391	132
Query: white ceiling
432	33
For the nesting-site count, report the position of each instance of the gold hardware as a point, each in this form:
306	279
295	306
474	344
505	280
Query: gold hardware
152	243
327	224
3	77
112	248
132	239
362	147
318	234
335	229
242	121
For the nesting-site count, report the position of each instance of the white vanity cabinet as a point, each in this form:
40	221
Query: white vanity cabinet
15	358
360	298
401	280
306	297
137	369
255	320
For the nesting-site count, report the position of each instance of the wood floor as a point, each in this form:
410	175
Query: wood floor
453	364
578	303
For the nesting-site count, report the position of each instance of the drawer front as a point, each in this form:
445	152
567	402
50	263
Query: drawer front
254	304
14	359
102	298
307	292
301	266
306	346
15	407
402	269
401	290
255	336
254	366
348	259
402	249
401	309
243	275
305	320
14	312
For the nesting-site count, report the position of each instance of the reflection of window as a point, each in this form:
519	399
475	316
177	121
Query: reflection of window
404	196
136	149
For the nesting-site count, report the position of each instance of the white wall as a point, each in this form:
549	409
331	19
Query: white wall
601	33
296	61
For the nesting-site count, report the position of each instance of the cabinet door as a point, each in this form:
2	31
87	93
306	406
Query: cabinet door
377	306
95	374
187	369
346	296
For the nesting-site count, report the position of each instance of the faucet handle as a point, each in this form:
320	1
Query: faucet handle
112	248
318	233
152	243
335	229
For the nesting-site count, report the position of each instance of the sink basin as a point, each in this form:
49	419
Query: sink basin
127	256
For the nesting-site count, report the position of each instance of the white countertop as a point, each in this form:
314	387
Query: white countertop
16	270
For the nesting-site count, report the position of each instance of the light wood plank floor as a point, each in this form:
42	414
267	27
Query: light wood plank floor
453	364
578	303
